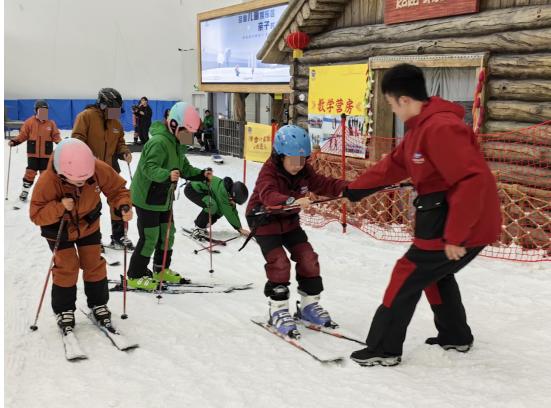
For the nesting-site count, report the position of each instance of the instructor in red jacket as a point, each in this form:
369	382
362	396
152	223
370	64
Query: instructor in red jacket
457	214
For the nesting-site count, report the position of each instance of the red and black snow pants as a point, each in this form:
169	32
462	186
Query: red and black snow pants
278	266
417	271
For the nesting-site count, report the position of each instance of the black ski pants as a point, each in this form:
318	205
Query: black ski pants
417	271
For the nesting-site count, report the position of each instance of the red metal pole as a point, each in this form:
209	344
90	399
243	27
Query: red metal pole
343	167
274	129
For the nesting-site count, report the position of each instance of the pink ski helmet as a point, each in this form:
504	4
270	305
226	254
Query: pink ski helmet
74	160
183	115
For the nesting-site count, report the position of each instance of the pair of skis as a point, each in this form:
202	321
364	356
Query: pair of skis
317	353
184	288
73	350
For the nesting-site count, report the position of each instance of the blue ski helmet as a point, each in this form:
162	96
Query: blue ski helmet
292	140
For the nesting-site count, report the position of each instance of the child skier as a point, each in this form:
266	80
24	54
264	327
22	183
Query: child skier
71	187
161	165
219	198
40	133
286	179
458	213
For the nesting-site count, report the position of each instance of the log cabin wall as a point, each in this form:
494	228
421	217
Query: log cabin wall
518	39
362	12
516	34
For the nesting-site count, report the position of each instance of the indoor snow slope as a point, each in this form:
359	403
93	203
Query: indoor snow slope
201	350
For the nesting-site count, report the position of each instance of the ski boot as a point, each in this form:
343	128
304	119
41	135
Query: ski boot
168	275
66	321
121	243
310	311
369	358
25	192
281	319
102	315
462	348
199	234
143	283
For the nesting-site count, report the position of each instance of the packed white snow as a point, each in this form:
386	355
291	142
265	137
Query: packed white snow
201	350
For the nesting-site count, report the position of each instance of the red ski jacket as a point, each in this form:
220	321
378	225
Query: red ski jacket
440	154
274	186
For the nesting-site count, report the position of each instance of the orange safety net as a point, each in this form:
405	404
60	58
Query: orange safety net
521	162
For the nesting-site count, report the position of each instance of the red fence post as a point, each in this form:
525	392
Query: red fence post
343	168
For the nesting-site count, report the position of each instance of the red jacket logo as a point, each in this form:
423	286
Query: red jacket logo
418	158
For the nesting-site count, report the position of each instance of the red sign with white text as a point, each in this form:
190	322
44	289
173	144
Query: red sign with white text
399	11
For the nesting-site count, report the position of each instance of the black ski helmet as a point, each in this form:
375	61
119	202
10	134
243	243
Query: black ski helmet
238	191
40	103
109	98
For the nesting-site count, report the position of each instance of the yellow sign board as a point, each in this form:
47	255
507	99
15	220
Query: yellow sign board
337	89
258	142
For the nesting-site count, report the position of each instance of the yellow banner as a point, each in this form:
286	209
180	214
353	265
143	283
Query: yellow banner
336	89
258	142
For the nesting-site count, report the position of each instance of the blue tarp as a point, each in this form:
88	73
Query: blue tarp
64	111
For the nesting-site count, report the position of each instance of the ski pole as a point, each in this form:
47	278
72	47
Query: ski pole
278	209
124	315
167	235
129	171
196	251
210	227
8	178
34	327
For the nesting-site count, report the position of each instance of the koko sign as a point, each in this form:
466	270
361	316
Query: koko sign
398	11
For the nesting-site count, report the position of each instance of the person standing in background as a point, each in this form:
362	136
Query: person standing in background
98	126
40	133
143	114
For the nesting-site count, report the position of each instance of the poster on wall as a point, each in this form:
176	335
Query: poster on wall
334	90
229	45
258	142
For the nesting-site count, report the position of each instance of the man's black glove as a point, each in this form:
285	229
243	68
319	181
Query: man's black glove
357	195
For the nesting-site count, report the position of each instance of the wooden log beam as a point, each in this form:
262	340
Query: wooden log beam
509	42
299	83
310	27
301	109
520	66
295	97
520	132
534	112
516	189
308	13
312	21
525	175
320	5
521	90
517	152
299	70
488	22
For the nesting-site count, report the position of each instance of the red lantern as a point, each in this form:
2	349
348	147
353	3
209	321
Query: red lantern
297	41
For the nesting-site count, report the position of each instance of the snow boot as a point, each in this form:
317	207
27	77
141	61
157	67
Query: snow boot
368	358
462	348
281	319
